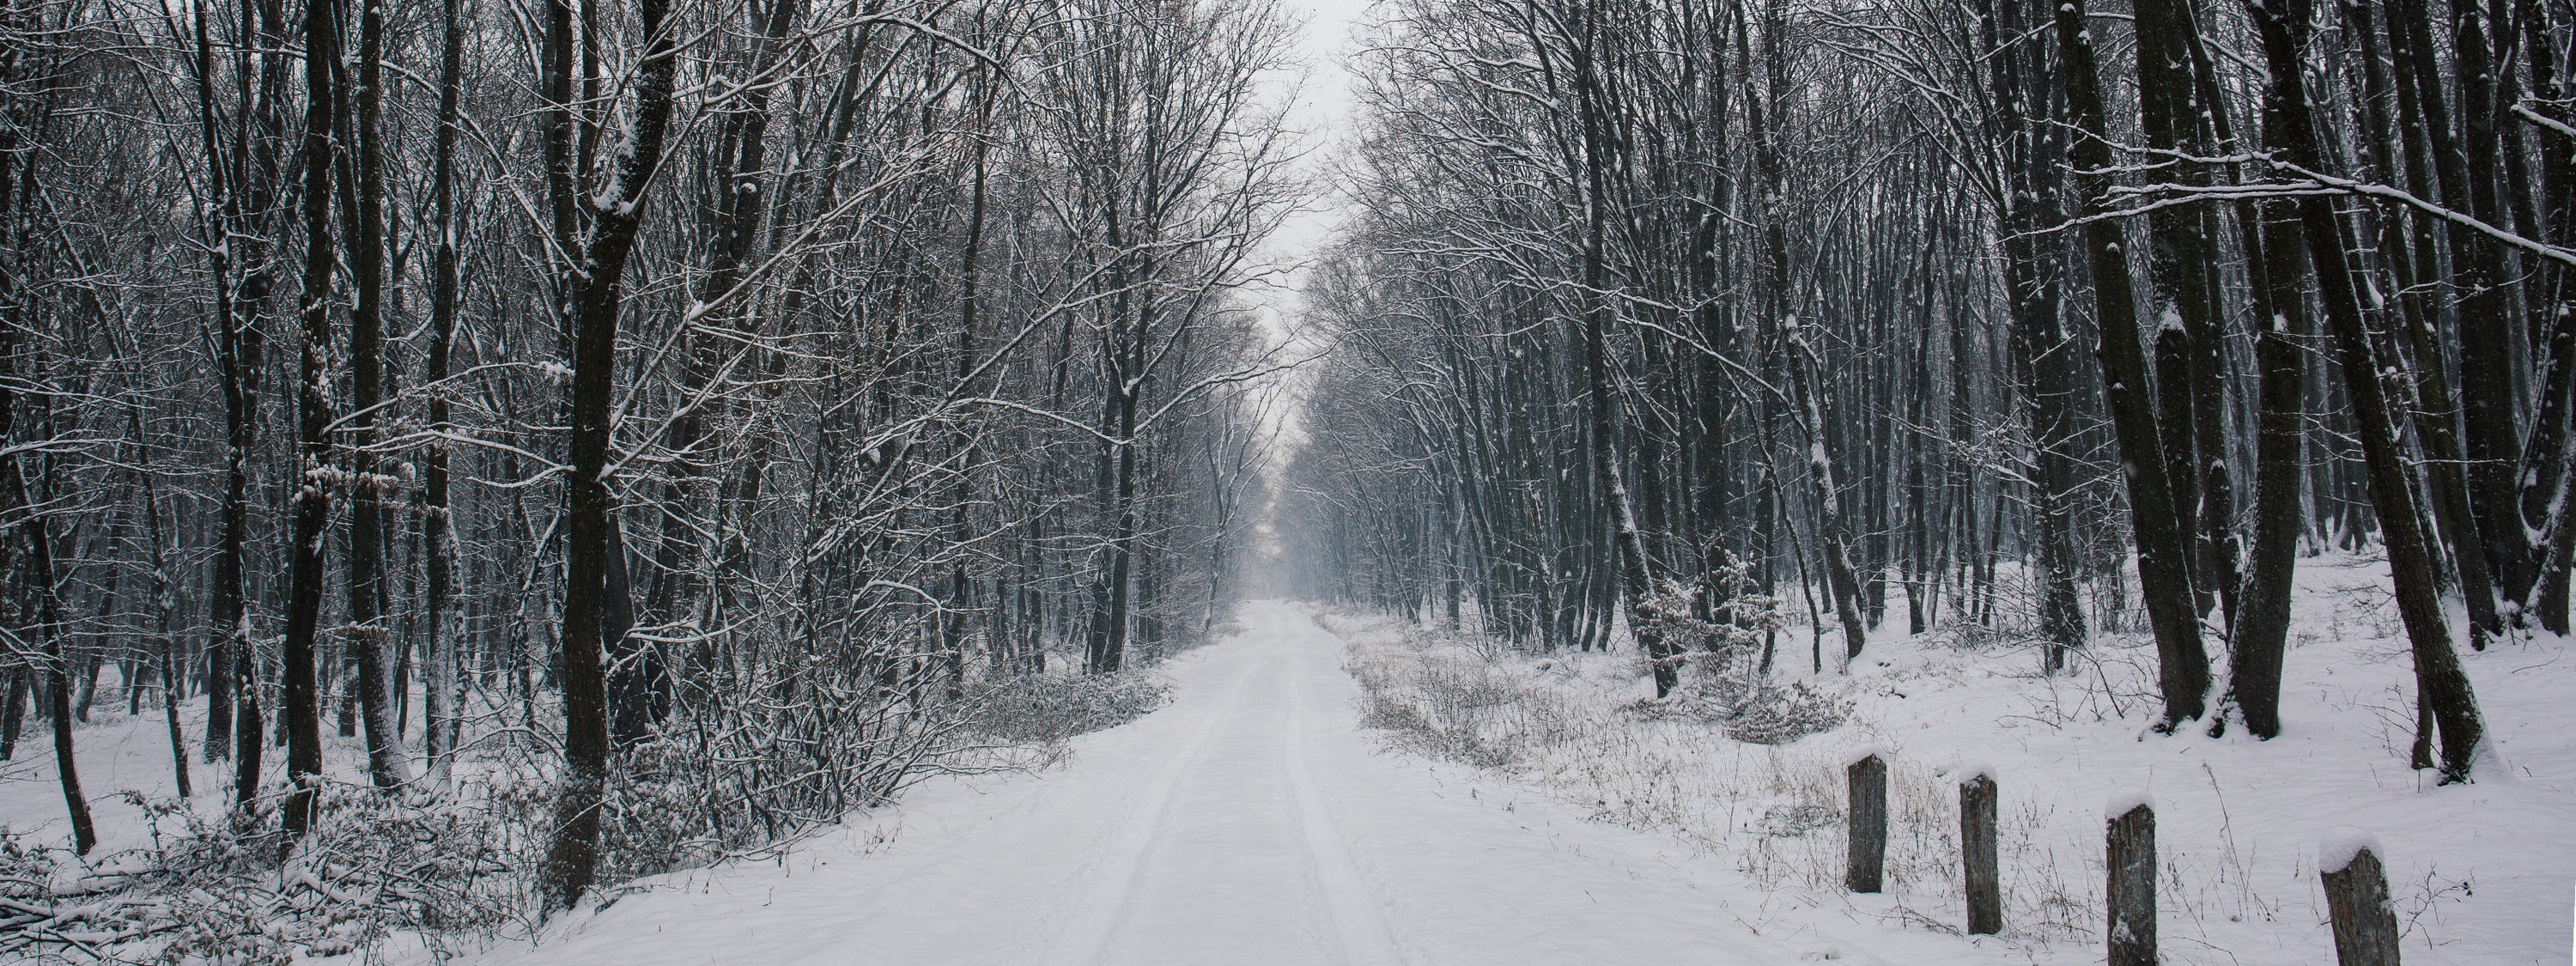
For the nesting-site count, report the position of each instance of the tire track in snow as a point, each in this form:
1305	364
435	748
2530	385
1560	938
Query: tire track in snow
1085	936
1358	920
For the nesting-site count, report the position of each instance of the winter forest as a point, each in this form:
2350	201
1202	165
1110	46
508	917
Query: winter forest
1236	481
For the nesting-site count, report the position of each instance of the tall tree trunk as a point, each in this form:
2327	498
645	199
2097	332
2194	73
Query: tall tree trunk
42	588
224	221
50	632
2182	295
165	619
261	142
2437	415
572	857
23	113
2164	576
961	584
1636	577
2442	684
303	718
2487	419
2549	450
13	709
2259	637
2478	275
369	635
1766	117
1111	627
444	697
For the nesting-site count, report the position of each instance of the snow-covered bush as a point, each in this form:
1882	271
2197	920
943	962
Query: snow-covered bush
1434	692
737	777
1725	681
451	863
206	890
1046	708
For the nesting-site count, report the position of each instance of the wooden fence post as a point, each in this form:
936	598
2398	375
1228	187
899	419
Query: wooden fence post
2131	860
2365	926
1868	824
1977	853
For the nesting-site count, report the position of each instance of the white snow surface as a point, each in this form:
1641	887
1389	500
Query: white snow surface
1863	752
2344	843
2122	801
1251	821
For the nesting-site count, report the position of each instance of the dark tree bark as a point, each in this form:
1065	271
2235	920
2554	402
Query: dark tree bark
572	857
640	690
2173	372
51	632
2164	576
261	142
43	591
1799	349
556	125
369	634
174	670
25	87
2471	521
2260	635
2442	684
1607	421
443	698
962	449
223	221
2437	415
2042	372
2493	441
13	711
312	500
2181	266
164	604
2549	450
1111	626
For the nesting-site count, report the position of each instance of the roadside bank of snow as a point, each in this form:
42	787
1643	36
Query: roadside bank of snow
2479	874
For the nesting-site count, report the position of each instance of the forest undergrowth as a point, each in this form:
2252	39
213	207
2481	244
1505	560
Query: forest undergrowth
2239	818
446	869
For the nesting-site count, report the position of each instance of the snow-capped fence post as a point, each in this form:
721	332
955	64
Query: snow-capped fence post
2131	860
1977	852
2365	927
1868	865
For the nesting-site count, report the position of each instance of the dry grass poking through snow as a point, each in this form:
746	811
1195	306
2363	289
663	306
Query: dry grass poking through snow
1580	727
435	872
1572	725
2478	873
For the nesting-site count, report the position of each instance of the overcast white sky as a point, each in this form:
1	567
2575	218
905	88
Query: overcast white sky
1323	110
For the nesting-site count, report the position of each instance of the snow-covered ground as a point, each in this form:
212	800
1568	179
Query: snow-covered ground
1250	821
118	754
1256	820
2479	874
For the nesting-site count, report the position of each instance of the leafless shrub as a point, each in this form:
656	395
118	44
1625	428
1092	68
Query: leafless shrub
456	874
1045	709
1457	704
1725	684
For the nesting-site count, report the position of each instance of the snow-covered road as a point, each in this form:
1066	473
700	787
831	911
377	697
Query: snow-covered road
1250	821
